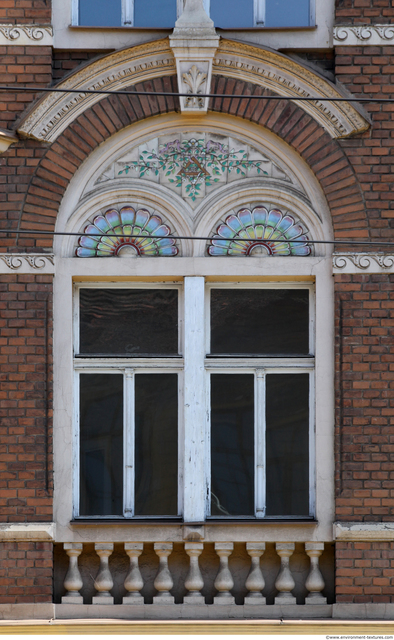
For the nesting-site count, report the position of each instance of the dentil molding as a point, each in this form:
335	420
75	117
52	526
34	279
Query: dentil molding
27	263
371	34
363	262
26	34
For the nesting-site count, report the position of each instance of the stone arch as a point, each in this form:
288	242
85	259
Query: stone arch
286	119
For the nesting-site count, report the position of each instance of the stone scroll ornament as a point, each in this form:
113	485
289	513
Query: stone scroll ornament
112	235
259	232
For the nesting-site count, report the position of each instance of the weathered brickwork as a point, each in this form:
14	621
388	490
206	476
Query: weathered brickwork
364	11
22	66
64	62
25	398
368	72
364	572
26	570
25	11
365	397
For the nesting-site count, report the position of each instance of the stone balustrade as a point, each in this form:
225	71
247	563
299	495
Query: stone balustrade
144	573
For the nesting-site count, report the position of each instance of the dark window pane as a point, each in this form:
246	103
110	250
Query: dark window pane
287	444
156	444
287	13
232	445
129	322
230	14
260	321
155	13
100	13
101	444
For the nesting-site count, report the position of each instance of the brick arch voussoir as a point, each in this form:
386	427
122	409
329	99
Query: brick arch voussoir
115	112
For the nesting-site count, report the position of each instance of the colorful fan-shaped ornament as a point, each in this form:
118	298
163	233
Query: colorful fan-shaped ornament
112	235
259	232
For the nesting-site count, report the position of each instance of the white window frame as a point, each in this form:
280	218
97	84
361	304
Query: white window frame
128	12
195	369
128	367
260	368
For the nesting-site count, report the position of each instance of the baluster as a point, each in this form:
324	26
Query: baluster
134	582
315	582
194	582
224	580
103	583
255	581
285	582
73	580
163	581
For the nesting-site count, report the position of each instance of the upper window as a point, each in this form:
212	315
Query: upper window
134	355
226	14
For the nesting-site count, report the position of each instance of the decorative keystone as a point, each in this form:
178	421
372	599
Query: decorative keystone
194	42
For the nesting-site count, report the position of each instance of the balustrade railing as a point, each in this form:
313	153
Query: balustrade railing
193	584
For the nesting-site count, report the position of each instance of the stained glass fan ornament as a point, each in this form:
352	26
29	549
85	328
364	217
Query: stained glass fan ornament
262	232
124	224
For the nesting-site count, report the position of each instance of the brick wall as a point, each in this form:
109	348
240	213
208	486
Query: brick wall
364	12
25	398
64	62
365	397
364	572
26	570
25	11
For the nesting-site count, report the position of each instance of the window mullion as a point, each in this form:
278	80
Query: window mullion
128	440
195	414
128	13
259	12
260	442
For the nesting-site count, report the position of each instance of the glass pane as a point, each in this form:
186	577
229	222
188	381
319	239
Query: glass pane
101	444
232	445
287	444
228	14
155	13
156	444
255	322
129	322
287	13
100	13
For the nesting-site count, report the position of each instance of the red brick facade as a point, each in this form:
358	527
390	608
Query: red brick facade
356	176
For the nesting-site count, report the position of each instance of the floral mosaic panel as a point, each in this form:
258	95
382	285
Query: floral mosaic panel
259	232
193	165
113	234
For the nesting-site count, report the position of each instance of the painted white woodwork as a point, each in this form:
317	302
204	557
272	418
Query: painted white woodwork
103	582
194	581
195	414
128	442
163	581
315	582
73	581
134	582
285	581
260	444
255	582
224	581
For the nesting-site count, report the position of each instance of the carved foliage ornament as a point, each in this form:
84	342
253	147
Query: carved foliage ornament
32	31
35	261
363	260
194	79
365	33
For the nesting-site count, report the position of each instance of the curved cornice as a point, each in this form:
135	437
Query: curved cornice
284	76
289	78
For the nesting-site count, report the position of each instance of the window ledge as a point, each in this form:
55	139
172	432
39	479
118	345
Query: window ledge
177	522
78	27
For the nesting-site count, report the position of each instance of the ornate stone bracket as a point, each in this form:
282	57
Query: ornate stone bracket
370	34
27	262
26	34
363	262
7	138
194	42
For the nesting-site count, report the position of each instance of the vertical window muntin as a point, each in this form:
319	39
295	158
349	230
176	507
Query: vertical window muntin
260	367
128	367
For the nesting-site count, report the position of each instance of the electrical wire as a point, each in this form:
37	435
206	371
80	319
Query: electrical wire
262	241
188	95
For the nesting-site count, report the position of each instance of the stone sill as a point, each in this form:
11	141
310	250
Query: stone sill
321	615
